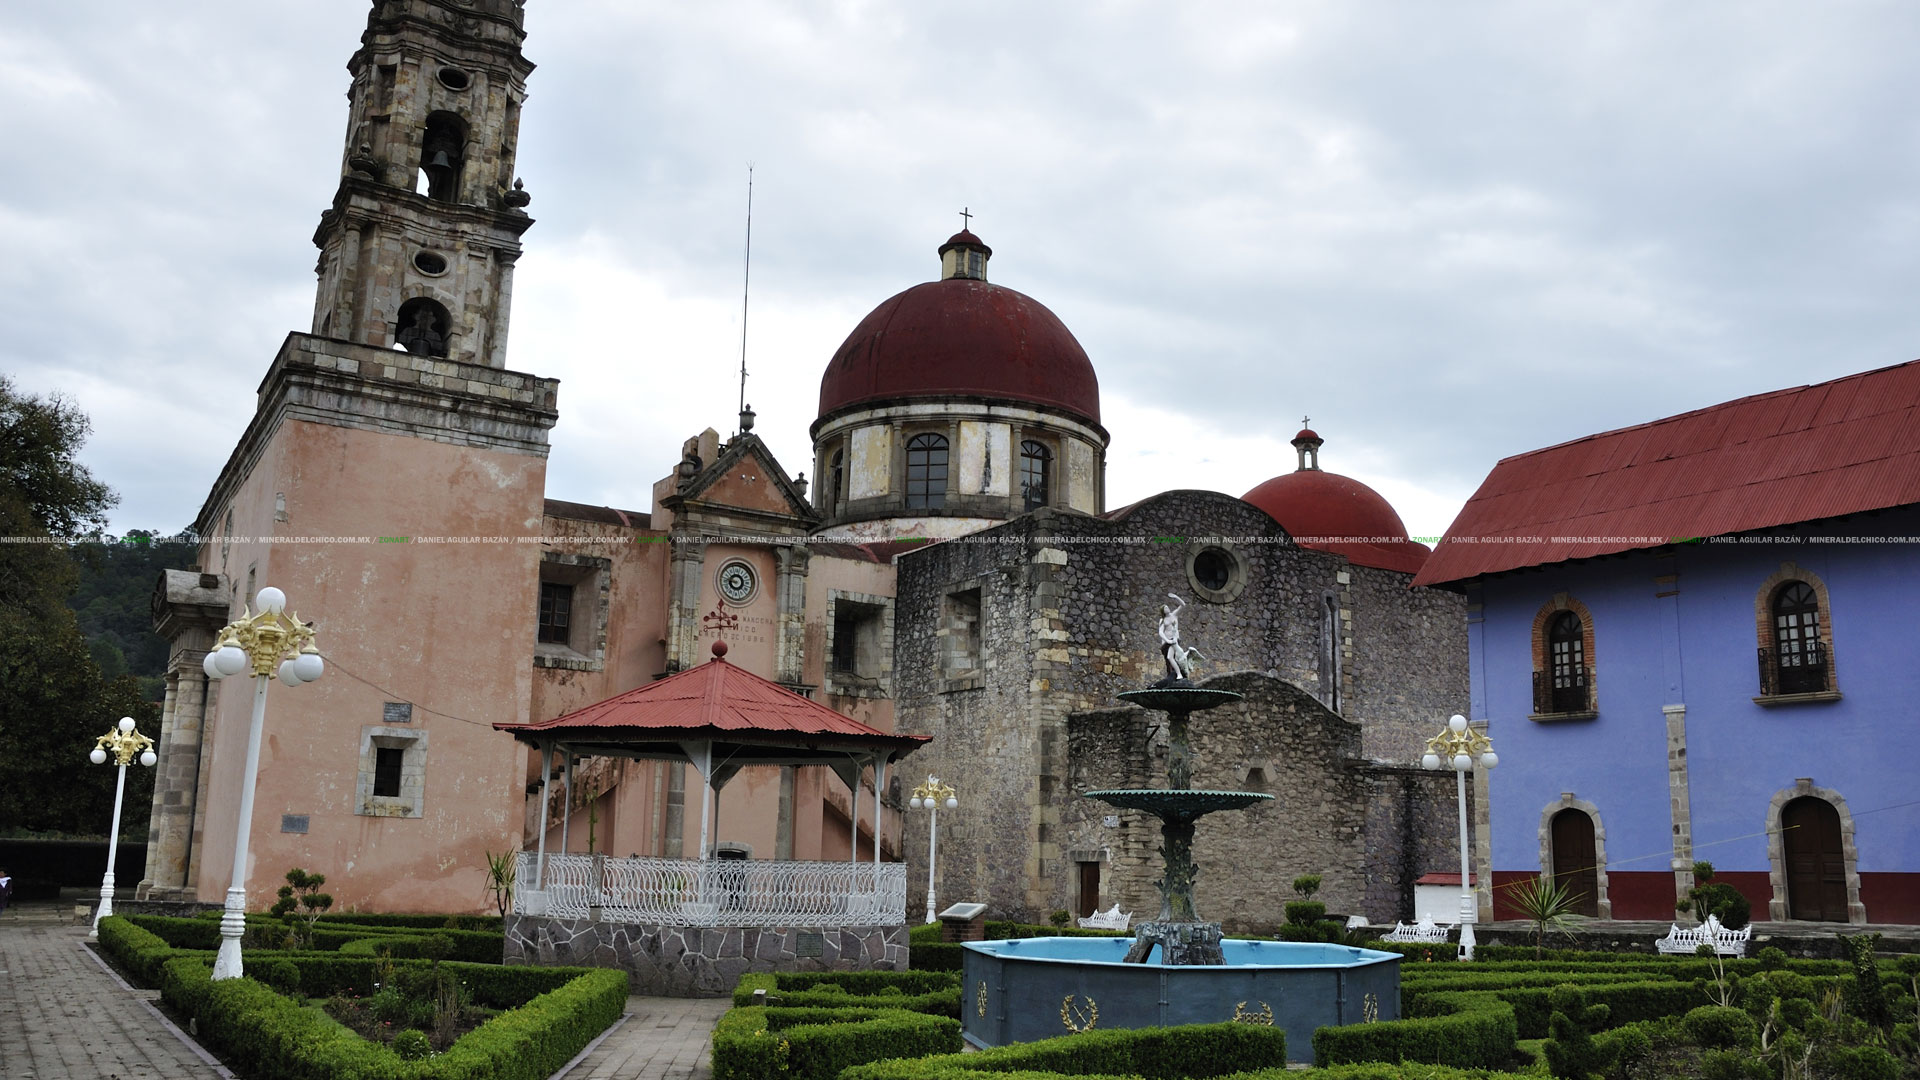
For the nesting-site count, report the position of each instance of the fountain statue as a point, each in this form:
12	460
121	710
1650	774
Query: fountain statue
1181	936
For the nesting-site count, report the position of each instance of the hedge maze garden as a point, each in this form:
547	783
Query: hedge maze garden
1567	1014
368	997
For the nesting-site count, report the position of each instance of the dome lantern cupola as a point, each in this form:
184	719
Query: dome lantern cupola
1307	446
964	255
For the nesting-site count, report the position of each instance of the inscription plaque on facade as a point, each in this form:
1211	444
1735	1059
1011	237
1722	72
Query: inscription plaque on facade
293	823
396	712
808	943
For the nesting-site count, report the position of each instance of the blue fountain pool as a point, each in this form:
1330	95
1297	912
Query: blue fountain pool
1019	990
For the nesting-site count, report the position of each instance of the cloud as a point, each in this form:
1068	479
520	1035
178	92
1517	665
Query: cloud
1449	233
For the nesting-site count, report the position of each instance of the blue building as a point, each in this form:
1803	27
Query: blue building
1696	639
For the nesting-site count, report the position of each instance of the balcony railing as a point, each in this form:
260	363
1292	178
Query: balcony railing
713	892
1565	694
1802	670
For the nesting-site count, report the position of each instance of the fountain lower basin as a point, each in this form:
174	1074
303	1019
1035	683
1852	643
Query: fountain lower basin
1020	990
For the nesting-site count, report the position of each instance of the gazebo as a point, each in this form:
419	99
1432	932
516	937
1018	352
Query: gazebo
692	926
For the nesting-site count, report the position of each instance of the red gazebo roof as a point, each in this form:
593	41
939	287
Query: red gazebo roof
764	722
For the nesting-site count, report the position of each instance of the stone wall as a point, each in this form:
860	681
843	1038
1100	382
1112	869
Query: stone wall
1068	606
684	961
1368	830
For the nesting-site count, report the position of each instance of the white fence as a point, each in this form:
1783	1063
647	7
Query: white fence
714	892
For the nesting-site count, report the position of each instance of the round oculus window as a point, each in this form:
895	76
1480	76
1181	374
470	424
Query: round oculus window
428	262
737	583
1216	573
454	79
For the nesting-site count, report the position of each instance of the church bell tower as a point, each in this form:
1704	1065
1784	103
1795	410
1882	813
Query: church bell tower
417	250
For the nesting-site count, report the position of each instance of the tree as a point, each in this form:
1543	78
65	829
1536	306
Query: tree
53	700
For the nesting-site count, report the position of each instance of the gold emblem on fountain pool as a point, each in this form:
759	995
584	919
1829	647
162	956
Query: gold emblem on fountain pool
980	1000
1262	1016
1075	1019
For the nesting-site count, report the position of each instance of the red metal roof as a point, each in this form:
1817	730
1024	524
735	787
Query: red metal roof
714	700
1801	454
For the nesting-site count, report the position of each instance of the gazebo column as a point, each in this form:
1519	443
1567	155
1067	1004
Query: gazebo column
540	827
879	785
566	809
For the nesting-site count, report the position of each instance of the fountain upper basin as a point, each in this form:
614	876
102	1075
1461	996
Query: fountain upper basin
1019	990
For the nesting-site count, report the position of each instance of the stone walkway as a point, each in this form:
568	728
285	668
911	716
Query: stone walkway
65	1016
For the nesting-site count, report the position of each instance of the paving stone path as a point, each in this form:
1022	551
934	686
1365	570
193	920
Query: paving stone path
65	1016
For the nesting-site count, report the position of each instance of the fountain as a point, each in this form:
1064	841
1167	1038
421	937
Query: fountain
1177	969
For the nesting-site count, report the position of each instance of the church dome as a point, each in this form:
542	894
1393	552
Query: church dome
961	337
1330	512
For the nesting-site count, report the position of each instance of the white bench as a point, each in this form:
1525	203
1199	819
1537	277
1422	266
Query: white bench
1107	920
1687	941
1426	931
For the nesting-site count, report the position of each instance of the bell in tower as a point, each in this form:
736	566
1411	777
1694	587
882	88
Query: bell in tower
418	249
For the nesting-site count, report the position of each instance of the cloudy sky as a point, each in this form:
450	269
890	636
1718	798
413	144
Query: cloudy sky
1448	232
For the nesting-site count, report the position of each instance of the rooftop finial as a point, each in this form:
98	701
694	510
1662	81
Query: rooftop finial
966	219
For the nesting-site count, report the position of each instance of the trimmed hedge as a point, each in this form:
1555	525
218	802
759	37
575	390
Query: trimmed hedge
1471	1030
932	992
470	946
141	950
272	1037
760	1043
180	933
1199	1050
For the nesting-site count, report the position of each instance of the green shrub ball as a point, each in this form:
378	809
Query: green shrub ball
412	1044
1719	1027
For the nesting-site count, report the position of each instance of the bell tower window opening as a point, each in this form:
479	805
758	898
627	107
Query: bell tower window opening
1036	462
837	480
421	327
443	150
927	472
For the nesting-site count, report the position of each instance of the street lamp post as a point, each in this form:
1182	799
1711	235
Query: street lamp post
270	643
930	796
1460	748
125	744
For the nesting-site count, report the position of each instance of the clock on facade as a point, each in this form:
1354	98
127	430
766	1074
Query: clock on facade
736	583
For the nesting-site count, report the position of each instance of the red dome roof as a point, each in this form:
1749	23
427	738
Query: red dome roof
1315	507
962	337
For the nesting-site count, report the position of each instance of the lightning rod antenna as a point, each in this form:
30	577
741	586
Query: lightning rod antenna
746	282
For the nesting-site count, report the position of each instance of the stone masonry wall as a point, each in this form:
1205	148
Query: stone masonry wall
684	961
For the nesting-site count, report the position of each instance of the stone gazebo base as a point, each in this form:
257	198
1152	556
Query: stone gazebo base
699	961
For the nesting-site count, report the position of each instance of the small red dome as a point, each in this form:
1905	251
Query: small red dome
1307	433
1318	508
962	337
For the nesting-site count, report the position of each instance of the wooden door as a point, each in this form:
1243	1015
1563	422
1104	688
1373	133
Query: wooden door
1575	866
1089	888
1816	866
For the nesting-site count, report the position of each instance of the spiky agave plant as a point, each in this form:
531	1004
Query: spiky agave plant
1549	906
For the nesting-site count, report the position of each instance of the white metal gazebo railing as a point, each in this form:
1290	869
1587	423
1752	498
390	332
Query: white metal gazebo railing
713	892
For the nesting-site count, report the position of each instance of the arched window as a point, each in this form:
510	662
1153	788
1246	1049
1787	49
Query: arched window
926	472
421	327
837	480
1799	662
443	152
1566	664
1036	462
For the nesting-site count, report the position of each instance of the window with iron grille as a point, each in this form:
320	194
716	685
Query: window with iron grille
556	612
927	472
1800	661
1036	462
1567	663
